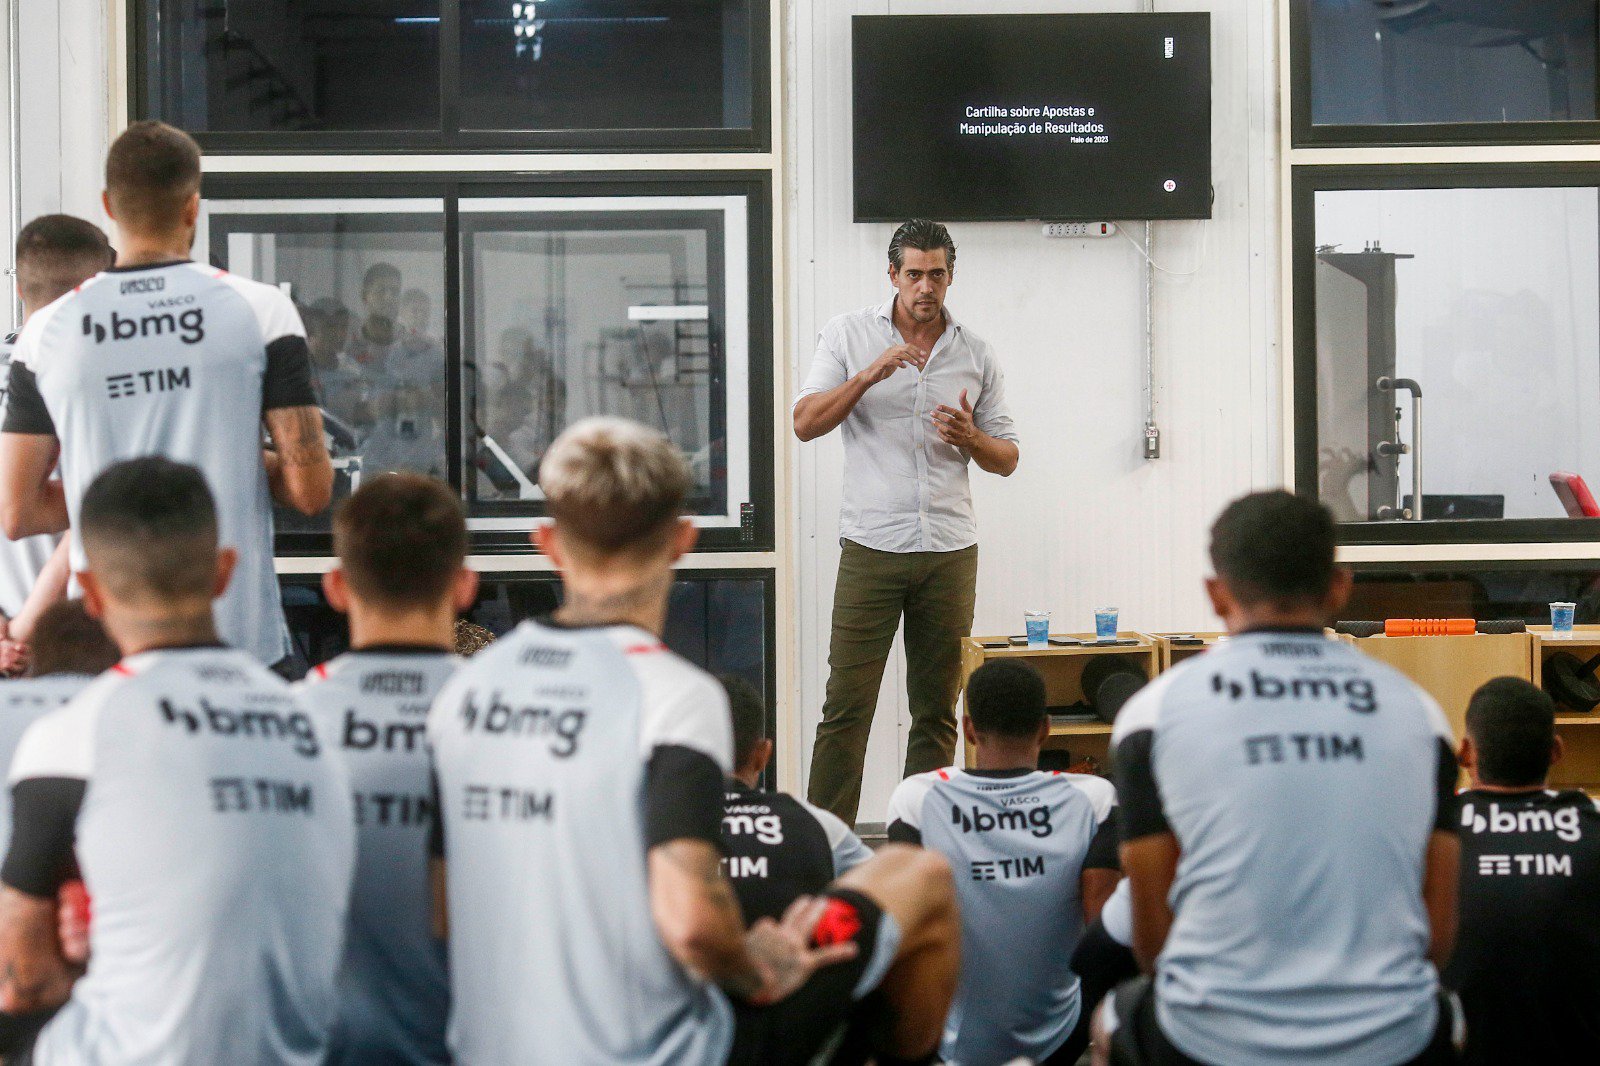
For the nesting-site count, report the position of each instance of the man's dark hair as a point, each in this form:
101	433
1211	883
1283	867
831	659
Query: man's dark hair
1512	724
749	716
1274	547
1006	699
55	253
152	170
66	640
401	539
379	272
149	527
924	236
325	314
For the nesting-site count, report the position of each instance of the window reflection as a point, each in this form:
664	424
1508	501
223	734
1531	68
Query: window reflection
1487	303
616	312
1444	61
367	284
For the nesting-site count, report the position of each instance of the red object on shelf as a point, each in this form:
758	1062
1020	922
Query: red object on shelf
1575	495
1429	627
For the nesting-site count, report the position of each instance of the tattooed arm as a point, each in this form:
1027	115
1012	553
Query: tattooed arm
298	470
33	974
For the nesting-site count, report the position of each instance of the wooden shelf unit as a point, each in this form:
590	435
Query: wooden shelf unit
1173	654
1580	762
1062	670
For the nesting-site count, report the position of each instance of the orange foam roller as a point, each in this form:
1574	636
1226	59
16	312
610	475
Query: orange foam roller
1429	627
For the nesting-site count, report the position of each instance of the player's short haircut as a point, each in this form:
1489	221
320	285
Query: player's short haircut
924	236
1512	724
401	540
379	272
67	641
1006	699
152	170
1275	547
149	528
749	716
471	638
614	486
326	313
55	253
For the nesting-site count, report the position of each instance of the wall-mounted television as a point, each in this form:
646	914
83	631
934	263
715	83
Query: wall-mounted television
1013	117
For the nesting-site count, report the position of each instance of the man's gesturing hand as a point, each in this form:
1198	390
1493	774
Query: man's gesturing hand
783	953
956	427
893	359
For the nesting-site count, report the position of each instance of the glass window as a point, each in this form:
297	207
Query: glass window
635	306
606	64
292	65
1457	352
1378	62
368	277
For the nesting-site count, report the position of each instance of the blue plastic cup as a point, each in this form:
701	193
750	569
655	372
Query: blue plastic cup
1561	618
1037	624
1105	623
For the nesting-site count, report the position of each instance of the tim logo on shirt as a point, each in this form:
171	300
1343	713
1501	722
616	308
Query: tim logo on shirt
187	326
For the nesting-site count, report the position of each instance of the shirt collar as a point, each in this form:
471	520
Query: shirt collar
886	312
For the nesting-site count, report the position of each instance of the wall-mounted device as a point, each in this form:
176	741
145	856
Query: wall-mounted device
1066	117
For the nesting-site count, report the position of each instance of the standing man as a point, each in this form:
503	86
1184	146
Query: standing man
160	355
1527	960
919	396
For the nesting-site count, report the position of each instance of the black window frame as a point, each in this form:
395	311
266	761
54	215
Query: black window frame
451	137
1307	181
769	637
759	532
1303	133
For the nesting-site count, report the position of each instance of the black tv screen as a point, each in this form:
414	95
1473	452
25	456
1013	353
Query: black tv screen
1051	117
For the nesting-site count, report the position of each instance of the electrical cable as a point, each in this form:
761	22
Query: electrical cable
1200	260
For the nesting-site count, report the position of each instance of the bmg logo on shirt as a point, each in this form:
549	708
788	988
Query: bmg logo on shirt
1035	819
1358	692
1563	821
268	725
500	718
188	326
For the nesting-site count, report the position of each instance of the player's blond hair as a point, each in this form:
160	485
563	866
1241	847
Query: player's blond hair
613	485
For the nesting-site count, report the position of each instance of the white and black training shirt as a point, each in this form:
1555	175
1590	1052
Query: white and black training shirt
21	561
1302	781
563	755
22	701
1527	957
394	992
777	848
212	826
179	360
1018	842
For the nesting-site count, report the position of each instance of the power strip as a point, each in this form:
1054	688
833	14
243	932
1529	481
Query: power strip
1080	229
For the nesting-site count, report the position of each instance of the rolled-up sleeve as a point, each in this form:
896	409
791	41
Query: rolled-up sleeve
828	369
990	413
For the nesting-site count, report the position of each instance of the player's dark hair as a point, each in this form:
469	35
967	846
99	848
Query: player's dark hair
1006	699
749	716
379	272
325	314
1512	724
55	253
152	170
149	527
401	539
924	236
1274	547
66	640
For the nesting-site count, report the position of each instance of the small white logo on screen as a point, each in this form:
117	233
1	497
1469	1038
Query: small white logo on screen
1170	185
1167	48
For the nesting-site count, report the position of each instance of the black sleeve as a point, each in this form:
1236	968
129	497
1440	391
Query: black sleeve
682	797
1102	854
288	378
25	409
436	830
1447	819
901	833
44	828
1139	810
